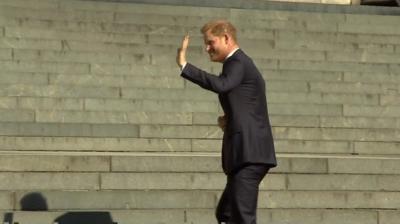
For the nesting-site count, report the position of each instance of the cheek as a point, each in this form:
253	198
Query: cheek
214	48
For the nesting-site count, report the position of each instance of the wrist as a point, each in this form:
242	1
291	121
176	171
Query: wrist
182	65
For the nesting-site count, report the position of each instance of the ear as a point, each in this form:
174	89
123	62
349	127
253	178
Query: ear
227	38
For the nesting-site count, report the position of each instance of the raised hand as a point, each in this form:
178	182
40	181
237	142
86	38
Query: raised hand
222	122
181	55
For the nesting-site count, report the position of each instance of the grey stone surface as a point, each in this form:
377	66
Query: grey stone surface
318	147
125	200
346	88
60	104
328	216
391	148
71	56
68	129
34	181
23	78
71	91
13	115
336	134
359	122
150	105
362	56
6	200
21	66
59	15
200	216
166	164
305	109
343	182
52	163
364	166
168	94
372	111
93	117
35	4
137	216
287	86
261	4
13	32
5	54
274	74
83	144
92	91
323	199
119	81
389	217
8	102
173	131
178	181
388	100
36	44
332	66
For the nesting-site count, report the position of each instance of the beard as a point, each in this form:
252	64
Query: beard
216	57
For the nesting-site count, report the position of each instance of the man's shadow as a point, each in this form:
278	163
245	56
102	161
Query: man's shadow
35	201
85	218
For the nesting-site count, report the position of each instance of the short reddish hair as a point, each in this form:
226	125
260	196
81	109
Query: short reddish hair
219	28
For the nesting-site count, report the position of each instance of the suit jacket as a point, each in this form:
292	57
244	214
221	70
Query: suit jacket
241	91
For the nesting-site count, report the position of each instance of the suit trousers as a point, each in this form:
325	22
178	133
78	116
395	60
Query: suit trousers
238	202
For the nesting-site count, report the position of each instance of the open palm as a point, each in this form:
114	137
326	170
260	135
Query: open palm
181	55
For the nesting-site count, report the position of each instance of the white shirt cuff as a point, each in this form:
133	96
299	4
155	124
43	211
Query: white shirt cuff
183	66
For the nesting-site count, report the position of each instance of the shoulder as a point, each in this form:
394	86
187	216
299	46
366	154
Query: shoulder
241	56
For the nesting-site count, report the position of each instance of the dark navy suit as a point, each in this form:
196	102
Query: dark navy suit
247	146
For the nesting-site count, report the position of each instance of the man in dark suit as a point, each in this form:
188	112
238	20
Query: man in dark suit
247	149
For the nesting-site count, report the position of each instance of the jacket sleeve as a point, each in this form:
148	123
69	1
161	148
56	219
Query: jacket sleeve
232	76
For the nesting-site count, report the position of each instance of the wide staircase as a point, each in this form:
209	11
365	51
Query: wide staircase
97	126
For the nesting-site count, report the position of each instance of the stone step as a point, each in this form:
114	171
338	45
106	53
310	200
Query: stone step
331	131
80	118
286	46
156	199
387	83
205	109
292	133
191	181
99	62
71	96
126	144
203	216
281	115
172	70
326	7
77	56
136	180
103	5
248	37
278	119
312	21
14	161
105	144
326	66
374	100
278	92
124	13
70	130
159	51
66	86
148	73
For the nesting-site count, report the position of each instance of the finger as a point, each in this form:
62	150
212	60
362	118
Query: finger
185	42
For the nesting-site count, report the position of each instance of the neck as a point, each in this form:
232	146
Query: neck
233	47
231	51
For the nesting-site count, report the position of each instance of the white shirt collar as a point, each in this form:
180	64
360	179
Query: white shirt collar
232	52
